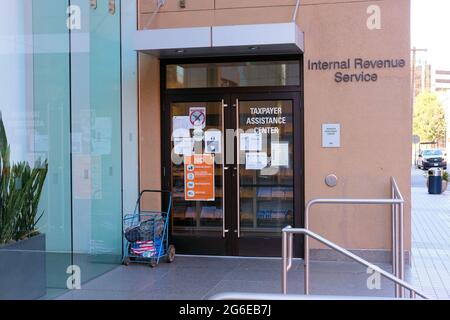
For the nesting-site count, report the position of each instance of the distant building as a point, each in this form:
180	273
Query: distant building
441	85
444	96
429	78
441	81
423	78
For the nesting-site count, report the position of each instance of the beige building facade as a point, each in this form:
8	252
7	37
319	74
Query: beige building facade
353	77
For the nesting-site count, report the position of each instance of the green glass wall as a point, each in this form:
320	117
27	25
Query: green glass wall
60	100
51	132
96	138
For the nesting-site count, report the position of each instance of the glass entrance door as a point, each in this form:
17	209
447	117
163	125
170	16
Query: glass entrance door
197	175
265	183
232	164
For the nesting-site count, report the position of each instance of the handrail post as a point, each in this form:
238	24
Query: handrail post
400	261
401	248
395	241
394	233
290	238
284	264
399	257
306	253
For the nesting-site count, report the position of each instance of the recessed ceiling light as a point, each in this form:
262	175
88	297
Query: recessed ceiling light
253	48
180	51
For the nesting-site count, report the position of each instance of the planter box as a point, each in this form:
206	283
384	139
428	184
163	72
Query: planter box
23	269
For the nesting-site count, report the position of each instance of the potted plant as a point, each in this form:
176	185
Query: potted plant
22	246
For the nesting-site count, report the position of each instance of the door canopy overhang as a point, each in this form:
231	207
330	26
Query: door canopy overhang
233	40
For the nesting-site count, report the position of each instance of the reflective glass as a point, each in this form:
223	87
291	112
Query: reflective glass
60	102
233	74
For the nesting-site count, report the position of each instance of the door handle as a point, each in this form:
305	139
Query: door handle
224	169
238	167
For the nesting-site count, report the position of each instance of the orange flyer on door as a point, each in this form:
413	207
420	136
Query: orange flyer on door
199	177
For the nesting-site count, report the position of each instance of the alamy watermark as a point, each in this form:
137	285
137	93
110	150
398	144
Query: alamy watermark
374	280
74	18
374	19
230	147
74	280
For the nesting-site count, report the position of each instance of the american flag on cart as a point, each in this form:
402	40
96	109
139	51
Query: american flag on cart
140	247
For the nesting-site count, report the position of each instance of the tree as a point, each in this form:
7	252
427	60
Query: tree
429	118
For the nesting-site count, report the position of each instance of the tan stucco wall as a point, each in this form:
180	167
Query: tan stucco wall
149	130
375	117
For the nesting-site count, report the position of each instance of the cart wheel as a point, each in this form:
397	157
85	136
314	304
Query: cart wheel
170	254
126	261
152	264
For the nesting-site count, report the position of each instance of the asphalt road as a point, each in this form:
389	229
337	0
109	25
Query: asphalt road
417	178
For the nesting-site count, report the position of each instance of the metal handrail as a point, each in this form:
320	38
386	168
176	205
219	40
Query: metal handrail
397	213
275	296
397	204
288	233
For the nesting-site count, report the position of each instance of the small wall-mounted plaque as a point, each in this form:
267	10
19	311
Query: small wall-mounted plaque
331	135
93	4
112	6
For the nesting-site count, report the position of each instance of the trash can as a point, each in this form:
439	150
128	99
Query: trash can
435	181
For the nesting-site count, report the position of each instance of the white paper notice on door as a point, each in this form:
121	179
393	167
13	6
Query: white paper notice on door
251	141
182	145
180	126
255	160
213	139
280	154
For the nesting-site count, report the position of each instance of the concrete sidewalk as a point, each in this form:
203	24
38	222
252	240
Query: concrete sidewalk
431	239
201	277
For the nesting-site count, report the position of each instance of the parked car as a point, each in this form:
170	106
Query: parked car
431	158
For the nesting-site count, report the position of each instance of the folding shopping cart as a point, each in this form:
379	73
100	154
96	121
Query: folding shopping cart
146	236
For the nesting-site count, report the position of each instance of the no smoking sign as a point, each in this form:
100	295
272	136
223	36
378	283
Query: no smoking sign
197	117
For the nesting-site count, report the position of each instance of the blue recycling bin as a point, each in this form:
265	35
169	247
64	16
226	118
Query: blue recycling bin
435	181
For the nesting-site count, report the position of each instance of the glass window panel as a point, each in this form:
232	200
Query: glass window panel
267	195
58	103
35	110
233	74
197	217
96	136
51	133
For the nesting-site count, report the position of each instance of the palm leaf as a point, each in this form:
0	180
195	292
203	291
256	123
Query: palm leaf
20	191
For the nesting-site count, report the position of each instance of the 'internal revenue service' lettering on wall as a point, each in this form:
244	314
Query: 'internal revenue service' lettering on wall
365	69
